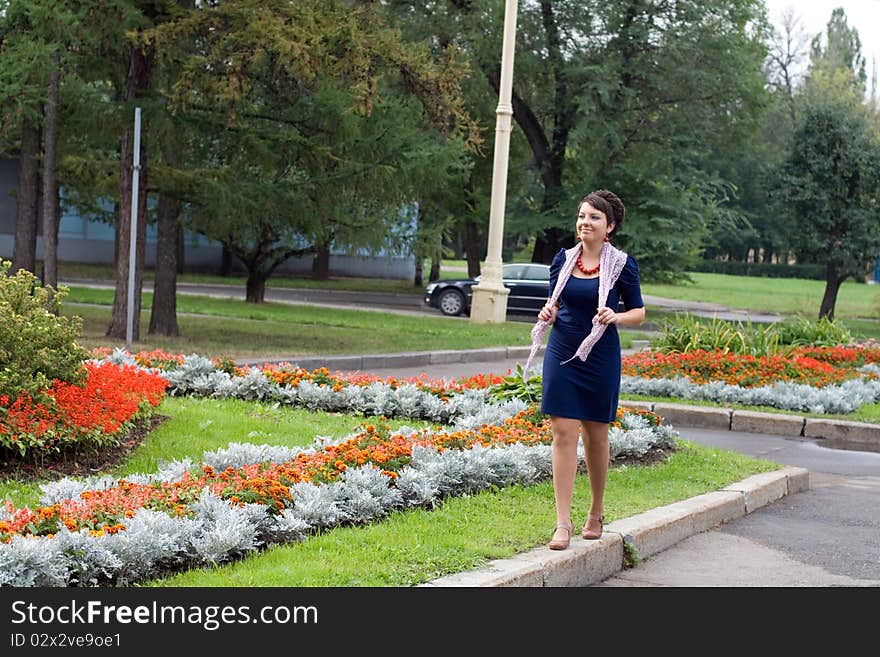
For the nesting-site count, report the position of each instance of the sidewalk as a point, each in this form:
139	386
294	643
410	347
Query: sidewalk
632	539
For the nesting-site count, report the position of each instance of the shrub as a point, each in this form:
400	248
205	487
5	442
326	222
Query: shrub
37	345
685	333
803	332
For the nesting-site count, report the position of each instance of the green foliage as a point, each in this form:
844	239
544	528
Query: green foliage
827	187
516	386
685	332
631	557
823	333
36	345
841	50
637	111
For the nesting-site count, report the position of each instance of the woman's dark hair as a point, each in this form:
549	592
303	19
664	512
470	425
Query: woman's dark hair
608	203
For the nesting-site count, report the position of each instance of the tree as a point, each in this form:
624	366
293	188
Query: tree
170	135
141	61
788	49
841	50
306	133
830	186
626	95
23	66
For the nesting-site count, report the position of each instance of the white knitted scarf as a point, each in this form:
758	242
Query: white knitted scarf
611	262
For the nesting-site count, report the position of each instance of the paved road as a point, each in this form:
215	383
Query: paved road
827	536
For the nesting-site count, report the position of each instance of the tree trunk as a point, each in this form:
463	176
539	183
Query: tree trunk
832	286
163	315
140	66
256	286
548	244
435	270
225	261
50	179
419	273
24	251
321	263
181	251
472	248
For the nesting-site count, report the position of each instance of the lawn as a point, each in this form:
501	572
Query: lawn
784	296
231	327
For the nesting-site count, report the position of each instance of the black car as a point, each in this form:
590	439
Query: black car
529	286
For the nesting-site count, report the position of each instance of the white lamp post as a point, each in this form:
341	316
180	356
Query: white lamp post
132	249
489	305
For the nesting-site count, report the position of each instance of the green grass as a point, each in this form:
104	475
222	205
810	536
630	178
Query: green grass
239	329
786	296
232	327
466	532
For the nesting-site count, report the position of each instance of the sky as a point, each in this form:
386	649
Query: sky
864	15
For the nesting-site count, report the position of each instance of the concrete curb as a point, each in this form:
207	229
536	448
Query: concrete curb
862	434
405	359
588	562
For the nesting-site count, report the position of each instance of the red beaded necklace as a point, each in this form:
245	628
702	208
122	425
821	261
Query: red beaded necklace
588	272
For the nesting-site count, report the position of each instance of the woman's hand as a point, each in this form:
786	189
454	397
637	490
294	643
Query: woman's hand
548	313
607	316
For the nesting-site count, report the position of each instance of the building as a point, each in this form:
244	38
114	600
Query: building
82	239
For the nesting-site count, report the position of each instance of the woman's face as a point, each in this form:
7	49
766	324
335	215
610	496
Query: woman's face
592	224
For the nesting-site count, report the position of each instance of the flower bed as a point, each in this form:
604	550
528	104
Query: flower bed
95	413
104	531
819	366
811	379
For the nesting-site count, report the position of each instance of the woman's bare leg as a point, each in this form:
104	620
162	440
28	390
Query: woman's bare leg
595	437
565	460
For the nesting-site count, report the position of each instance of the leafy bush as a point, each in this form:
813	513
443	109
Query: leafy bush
803	332
36	345
685	333
514	387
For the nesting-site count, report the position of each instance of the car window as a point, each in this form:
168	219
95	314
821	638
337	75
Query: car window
537	273
512	272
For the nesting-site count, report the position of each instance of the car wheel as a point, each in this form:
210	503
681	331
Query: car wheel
451	302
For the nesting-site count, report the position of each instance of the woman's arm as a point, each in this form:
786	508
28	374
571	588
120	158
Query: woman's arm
632	317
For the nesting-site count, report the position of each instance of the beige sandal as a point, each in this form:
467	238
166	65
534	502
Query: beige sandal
593	535
561	543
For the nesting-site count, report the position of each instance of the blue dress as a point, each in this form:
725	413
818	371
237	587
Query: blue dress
585	390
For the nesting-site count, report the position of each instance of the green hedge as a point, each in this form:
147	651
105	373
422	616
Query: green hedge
761	269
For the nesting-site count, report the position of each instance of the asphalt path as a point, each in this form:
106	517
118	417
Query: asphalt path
826	536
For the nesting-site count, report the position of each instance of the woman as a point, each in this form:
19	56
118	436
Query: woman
581	372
